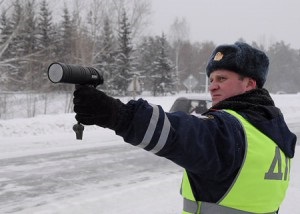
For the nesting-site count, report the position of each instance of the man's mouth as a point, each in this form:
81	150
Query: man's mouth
216	95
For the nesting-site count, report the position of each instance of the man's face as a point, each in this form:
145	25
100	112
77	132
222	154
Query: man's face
225	84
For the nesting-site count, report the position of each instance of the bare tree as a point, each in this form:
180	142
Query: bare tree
112	10
138	12
96	18
179	32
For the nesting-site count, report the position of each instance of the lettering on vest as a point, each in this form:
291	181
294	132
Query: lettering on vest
272	174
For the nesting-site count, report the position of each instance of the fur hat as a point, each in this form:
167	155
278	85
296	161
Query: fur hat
242	59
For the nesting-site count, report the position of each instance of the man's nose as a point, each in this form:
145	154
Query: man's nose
213	86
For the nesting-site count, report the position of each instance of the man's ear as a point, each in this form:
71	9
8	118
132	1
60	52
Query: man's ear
251	84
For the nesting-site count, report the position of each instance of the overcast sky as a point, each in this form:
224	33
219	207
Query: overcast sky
225	21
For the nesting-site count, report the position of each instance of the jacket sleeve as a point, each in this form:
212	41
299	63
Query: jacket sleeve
212	145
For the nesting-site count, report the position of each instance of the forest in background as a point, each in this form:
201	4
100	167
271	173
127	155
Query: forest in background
109	37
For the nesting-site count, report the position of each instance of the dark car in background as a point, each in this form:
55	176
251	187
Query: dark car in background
191	105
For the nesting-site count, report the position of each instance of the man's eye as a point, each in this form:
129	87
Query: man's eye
221	79
217	79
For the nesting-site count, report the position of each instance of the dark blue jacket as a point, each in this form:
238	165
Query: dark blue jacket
211	148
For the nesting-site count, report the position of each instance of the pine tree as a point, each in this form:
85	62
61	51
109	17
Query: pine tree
29	35
66	36
108	38
124	70
163	75
5	36
45	42
17	48
30	28
147	53
24	24
107	58
45	26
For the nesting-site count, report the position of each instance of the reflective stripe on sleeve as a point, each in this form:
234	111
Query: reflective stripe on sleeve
151	129
163	136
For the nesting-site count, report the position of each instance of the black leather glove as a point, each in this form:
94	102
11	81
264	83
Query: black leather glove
93	107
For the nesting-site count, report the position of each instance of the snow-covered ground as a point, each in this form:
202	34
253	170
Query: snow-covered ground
44	170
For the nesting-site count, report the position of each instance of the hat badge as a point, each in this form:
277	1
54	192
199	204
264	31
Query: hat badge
218	56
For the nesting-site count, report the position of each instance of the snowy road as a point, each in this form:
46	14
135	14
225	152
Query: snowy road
31	181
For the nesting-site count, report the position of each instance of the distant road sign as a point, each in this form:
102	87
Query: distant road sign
190	82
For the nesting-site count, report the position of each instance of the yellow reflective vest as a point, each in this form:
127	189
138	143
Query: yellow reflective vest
260	185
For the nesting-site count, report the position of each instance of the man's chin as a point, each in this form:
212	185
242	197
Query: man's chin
215	101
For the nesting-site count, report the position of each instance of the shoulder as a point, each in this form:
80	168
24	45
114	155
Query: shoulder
224	118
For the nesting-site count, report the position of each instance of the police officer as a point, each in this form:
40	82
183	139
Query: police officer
236	157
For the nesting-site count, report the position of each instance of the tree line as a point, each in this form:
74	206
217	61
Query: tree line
109	37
